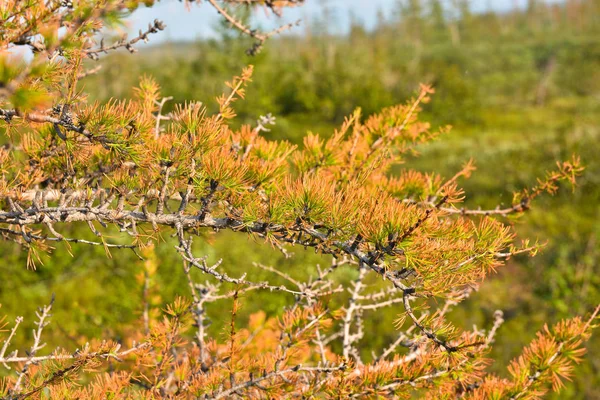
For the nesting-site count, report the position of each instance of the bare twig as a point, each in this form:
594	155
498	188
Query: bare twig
43	315
154	27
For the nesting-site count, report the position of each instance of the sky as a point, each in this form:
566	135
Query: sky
200	20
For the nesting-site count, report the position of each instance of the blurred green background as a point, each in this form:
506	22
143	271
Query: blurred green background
521	89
